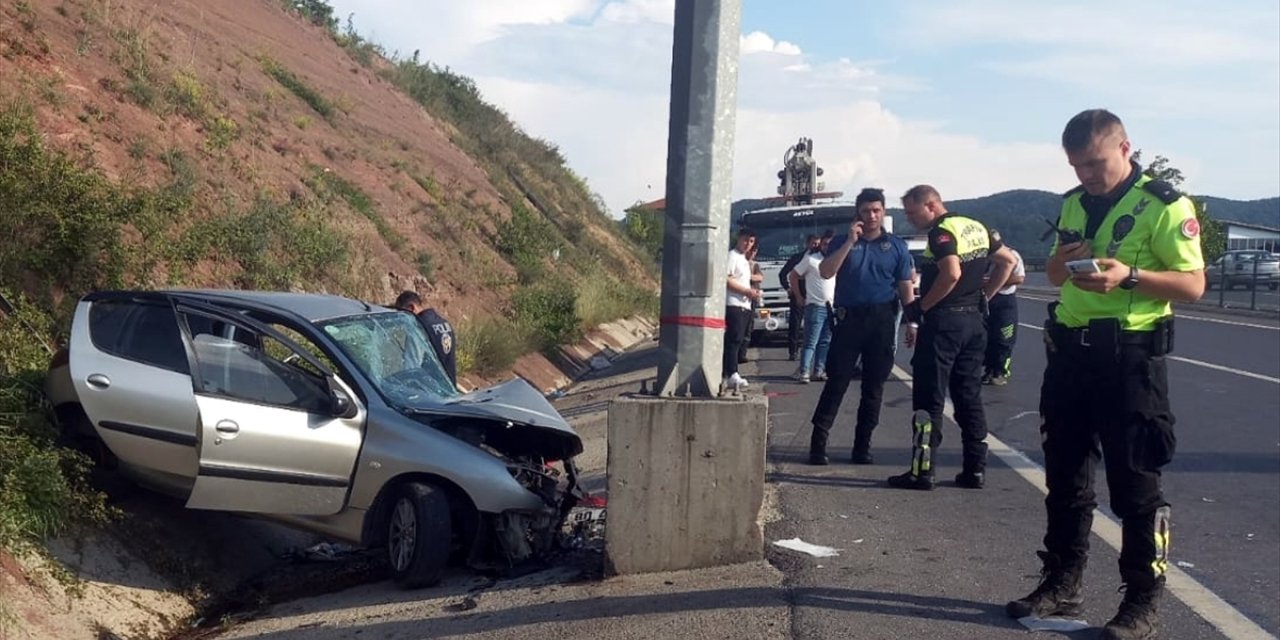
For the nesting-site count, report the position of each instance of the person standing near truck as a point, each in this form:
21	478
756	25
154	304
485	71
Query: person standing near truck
872	272
796	299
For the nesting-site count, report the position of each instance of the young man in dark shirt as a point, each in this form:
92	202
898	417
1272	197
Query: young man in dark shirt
439	331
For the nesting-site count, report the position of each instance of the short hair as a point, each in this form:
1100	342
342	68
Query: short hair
408	299
746	232
995	233
828	234
921	193
869	194
1087	125
810	238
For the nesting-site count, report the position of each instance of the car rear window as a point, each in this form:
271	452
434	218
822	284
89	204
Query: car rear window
141	331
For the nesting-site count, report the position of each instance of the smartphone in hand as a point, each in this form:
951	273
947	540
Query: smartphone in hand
1084	266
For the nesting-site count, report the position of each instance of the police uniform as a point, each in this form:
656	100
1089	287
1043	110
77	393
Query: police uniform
1105	382
950	348
443	342
866	308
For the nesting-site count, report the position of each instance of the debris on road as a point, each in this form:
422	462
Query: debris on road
1209	500
1053	624
815	550
1186	565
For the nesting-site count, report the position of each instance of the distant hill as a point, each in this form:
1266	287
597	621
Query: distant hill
1020	214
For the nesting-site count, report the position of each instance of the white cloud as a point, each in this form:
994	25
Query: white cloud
592	76
760	42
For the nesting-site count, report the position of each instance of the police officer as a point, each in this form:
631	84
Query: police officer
1105	382
872	271
1002	323
951	340
439	331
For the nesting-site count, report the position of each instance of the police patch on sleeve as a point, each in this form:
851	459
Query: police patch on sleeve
446	343
1190	228
943	238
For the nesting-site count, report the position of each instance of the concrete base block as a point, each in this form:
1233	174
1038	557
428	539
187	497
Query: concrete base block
686	482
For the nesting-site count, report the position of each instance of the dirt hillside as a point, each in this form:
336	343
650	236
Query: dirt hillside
269	151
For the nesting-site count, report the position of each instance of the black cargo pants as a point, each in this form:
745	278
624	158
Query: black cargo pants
1002	332
950	347
1116	408
866	332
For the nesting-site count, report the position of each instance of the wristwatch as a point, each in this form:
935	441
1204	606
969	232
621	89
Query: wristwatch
1132	281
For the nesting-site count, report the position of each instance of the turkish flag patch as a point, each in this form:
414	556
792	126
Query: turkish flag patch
1190	228
943	238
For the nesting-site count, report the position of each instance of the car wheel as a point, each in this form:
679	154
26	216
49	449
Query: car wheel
419	531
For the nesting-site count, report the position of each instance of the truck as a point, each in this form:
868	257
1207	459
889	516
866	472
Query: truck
801	208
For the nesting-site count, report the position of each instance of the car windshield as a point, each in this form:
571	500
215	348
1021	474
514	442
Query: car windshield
392	351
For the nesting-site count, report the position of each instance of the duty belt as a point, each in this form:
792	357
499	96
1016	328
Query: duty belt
1080	337
971	308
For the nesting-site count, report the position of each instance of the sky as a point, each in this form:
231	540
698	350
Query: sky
968	95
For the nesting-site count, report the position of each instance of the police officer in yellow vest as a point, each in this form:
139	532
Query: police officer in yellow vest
951	341
1128	245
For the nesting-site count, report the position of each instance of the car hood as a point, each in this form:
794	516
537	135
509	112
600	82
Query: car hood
518	418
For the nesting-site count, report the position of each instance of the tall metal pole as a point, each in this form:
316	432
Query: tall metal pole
704	77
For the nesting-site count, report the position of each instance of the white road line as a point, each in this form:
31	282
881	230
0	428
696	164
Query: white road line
1198	363
1233	323
1216	611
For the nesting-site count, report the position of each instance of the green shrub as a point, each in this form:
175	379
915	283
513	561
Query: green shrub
549	312
44	488
527	241
489	346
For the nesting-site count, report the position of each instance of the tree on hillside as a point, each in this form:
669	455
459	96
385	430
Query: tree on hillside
645	227
1212	239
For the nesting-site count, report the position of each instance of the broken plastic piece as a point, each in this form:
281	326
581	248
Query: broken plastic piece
815	550
1053	624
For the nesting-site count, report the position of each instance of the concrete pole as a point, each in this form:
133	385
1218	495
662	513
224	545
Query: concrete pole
704	77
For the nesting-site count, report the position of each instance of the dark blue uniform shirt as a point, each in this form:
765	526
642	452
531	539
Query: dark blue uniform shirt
872	270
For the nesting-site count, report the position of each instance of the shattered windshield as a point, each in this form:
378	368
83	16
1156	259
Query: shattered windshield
392	351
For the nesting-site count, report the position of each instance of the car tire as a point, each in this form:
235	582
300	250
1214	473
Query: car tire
419	535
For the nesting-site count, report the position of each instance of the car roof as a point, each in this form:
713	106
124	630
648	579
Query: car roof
313	307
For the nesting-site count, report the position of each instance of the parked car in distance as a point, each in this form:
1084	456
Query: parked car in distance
325	413
1247	267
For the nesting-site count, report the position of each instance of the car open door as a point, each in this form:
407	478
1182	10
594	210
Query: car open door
130	374
279	432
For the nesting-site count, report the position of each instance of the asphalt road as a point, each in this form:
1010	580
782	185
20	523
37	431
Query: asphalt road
942	564
1239	298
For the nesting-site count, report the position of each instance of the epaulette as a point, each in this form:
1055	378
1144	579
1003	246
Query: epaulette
1162	190
1072	192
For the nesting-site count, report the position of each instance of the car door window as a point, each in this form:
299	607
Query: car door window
241	364
144	331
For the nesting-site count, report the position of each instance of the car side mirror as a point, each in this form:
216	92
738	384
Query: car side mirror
344	406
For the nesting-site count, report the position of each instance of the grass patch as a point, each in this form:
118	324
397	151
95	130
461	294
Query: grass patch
44	488
602	298
329	185
426	265
293	83
188	95
489	346
429	184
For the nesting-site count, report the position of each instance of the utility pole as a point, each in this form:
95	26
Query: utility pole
686	468
704	76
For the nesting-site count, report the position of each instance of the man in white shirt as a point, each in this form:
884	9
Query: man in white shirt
819	294
1002	324
737	312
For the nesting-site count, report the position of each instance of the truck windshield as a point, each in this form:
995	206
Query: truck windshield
781	234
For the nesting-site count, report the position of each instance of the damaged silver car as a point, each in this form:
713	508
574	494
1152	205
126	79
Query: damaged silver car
326	413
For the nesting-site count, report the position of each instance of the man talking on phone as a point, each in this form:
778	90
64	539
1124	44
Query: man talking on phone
1105	388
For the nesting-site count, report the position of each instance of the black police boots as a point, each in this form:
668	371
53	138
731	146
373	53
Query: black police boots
1059	592
971	479
818	447
862	449
1136	619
